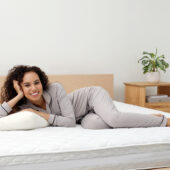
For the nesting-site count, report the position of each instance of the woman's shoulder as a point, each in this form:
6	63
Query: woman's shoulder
54	86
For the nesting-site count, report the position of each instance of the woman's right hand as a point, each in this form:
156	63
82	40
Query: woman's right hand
18	97
18	88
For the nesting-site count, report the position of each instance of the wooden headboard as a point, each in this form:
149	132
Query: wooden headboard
72	82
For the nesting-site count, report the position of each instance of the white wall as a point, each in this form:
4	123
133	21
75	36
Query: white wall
84	36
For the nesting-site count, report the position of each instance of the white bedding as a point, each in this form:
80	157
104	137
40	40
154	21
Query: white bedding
53	144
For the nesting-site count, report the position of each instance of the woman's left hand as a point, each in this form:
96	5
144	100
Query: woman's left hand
42	114
29	109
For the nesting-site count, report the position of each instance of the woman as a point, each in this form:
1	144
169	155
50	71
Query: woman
27	88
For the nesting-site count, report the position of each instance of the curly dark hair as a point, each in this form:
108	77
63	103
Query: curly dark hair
17	73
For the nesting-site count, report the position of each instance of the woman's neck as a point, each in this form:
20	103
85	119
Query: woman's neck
41	103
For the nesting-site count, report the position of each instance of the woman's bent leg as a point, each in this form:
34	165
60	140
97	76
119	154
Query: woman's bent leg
93	121
102	104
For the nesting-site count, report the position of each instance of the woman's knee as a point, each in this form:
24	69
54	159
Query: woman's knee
98	88
93	121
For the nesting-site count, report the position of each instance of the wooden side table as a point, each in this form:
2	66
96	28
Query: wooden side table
135	93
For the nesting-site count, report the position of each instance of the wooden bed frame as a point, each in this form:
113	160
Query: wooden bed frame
72	82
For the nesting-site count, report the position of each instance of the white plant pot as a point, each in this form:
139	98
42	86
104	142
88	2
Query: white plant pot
153	77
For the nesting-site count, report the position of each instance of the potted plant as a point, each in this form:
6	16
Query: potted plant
152	63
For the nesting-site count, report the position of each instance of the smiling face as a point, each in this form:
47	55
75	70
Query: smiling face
32	87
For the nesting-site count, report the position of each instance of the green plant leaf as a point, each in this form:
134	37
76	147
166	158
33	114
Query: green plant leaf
145	52
145	69
150	68
165	63
145	62
144	57
156	52
152	62
159	64
162	56
152	55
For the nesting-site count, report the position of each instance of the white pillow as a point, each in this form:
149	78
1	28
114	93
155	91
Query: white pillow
22	120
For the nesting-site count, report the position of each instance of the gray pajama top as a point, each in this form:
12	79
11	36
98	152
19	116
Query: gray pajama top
58	105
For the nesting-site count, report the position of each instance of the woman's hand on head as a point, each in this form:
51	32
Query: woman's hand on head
19	95
18	88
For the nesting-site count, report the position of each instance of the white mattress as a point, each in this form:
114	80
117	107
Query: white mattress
71	148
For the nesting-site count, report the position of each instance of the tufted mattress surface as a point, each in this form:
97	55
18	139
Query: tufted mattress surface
53	144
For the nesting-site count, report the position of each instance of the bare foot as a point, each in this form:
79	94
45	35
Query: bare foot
157	114
168	119
168	122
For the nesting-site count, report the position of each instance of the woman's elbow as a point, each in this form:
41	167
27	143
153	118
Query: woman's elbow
71	123
1	116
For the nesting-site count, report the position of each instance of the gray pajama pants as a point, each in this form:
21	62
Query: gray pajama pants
94	109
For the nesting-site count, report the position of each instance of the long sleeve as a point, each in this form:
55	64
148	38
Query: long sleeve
4	109
67	118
